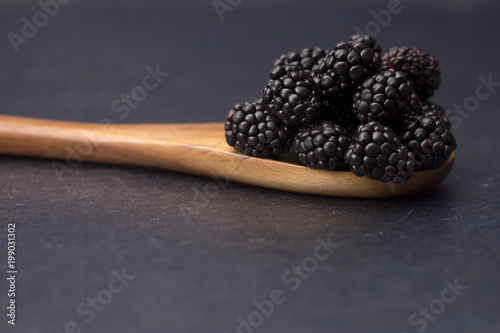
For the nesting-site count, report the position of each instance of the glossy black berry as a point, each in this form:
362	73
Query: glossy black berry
345	67
254	132
322	146
386	97
435	110
291	96
377	153
421	68
429	138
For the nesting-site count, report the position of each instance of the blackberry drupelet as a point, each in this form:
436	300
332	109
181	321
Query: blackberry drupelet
385	97
421	67
322	146
254	132
377	153
305	59
369	41
429	139
346	66
291	96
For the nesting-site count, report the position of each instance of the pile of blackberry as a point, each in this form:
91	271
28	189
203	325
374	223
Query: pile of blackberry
350	107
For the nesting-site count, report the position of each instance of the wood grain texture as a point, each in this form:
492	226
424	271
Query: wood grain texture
198	148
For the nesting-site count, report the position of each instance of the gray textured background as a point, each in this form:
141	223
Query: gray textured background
202	251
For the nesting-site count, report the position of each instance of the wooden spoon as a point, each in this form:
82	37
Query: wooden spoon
198	149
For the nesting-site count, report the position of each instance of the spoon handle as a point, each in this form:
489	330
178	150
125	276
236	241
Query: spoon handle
167	146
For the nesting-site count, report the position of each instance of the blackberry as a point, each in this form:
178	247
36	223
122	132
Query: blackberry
322	146
429	139
377	153
305	59
369	41
345	67
385	97
421	67
290	95
254	132
432	109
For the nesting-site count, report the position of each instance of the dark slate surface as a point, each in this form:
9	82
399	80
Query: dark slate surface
197	254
